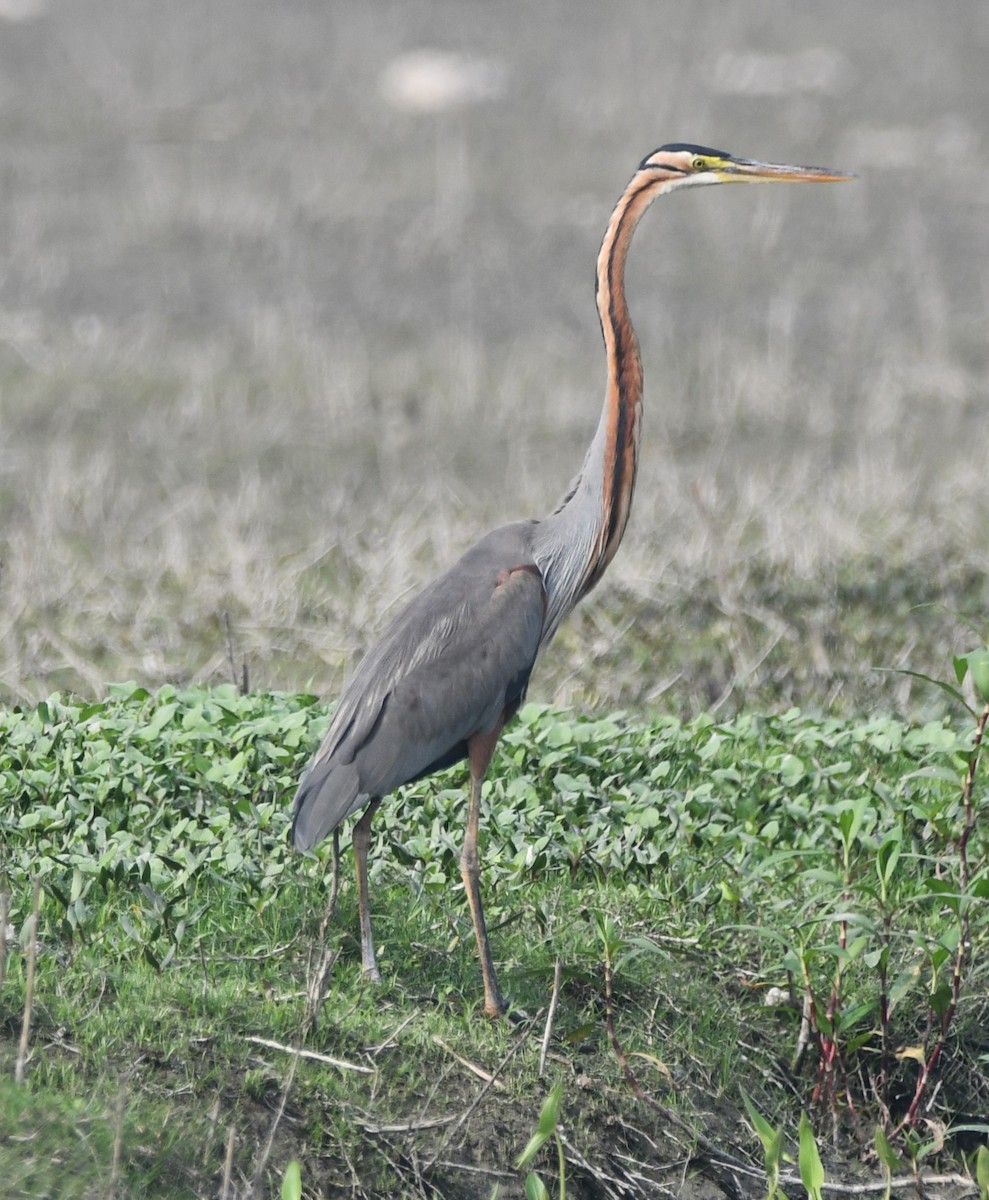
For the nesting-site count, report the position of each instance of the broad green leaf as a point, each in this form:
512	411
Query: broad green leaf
159	719
809	1160
535	1189
559	734
550	1110
888	1159
953	692
887	1155
545	1128
982	1171
767	1134
978	669
292	1182
568	783
887	857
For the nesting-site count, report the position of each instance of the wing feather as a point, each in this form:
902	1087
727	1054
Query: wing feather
447	667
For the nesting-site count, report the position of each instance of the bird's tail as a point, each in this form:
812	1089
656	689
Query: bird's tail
327	795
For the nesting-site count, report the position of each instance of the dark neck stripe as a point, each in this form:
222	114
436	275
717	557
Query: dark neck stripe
622	343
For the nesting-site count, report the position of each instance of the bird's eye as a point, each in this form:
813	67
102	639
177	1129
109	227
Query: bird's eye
698	164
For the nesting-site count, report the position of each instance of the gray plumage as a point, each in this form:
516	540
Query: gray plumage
447	667
453	667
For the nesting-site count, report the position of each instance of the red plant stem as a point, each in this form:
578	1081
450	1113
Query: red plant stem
825	1044
882	1087
968	824
833	1001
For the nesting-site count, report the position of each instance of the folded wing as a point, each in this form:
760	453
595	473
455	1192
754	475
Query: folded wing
450	665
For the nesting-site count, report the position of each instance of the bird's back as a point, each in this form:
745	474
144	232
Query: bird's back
448	666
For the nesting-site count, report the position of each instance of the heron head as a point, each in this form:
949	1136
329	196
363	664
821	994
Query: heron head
683	164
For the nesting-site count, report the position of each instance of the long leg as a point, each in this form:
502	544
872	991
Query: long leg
331	903
362	840
481	747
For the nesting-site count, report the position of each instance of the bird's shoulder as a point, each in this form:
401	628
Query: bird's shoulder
467	586
491	600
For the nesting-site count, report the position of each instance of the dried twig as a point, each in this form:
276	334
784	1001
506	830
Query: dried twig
473	1169
4	910
549	1017
471	1108
376	1050
242	684
263	955
32	958
465	1062
634	1171
316	977
355	1180
316	985
966	1185
805	1034
410	1126
266	1152
228	1164
340	1063
401	1172
214	1117
604	1182
118	1140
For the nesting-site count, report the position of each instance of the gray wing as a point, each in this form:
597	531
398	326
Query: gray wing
447	667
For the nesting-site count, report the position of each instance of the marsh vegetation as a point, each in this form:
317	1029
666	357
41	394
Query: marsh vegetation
279	337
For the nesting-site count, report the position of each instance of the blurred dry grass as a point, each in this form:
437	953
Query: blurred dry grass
275	345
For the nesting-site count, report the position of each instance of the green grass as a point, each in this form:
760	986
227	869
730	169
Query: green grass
176	926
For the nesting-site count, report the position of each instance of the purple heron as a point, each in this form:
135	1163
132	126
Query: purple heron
452	668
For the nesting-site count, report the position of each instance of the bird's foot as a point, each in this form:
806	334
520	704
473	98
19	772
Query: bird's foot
499	1010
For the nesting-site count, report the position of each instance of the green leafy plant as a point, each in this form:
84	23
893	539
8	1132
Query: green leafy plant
292	1181
816	854
967	891
809	1163
887	1158
982	1171
809	1160
892	916
772	1146
549	1114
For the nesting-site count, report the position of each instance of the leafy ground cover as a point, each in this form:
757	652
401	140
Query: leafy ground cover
682	913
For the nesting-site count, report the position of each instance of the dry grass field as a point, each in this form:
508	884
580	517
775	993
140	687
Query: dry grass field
288	318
